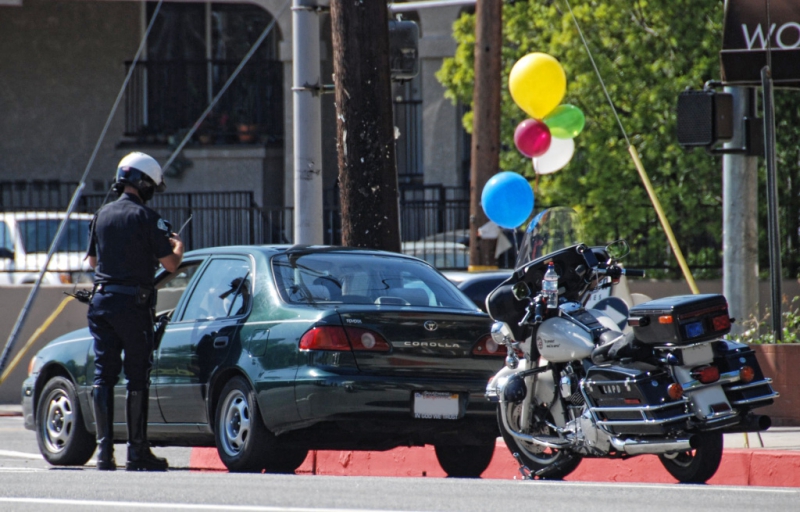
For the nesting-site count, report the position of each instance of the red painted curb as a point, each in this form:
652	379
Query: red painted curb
771	468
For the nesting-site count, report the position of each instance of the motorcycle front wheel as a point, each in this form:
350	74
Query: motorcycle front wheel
698	465
546	463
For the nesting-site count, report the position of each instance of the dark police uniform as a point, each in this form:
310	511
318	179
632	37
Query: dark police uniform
128	239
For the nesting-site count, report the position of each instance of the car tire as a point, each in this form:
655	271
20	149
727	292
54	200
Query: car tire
60	429
244	443
464	461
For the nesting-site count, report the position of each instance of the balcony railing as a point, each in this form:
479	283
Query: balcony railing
165	99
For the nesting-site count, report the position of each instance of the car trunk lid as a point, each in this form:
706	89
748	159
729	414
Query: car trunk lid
436	343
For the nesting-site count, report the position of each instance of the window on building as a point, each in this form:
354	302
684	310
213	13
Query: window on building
192	50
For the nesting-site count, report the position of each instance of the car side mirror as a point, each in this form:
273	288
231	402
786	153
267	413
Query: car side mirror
521	291
6	253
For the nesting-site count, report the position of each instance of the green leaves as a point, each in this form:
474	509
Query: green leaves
647	52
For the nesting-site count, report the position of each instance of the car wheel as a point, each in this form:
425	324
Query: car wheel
243	442
465	461
60	430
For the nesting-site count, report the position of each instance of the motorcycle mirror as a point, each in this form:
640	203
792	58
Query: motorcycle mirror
618	249
521	291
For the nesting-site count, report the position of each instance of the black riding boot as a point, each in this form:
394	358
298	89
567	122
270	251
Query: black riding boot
140	458
103	401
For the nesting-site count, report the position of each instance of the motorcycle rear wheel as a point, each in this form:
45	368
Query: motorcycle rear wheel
552	463
699	465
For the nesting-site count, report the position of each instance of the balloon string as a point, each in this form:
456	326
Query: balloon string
597	72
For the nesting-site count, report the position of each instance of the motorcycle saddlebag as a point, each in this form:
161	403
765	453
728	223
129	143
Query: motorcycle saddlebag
633	399
680	320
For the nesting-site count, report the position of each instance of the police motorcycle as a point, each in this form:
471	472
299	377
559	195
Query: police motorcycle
576	385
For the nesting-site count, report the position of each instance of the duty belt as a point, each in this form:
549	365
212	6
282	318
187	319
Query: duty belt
142	294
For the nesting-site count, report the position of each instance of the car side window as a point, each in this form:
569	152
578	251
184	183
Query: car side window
172	286
223	290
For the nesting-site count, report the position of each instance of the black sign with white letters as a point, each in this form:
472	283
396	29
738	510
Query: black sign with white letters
751	32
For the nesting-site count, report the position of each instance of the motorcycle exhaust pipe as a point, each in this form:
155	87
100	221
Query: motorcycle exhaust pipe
750	423
655	446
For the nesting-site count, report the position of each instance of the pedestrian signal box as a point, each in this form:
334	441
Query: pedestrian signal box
705	118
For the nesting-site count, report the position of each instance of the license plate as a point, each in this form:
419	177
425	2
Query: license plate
702	353
431	405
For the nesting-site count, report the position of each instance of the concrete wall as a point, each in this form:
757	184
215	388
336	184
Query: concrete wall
62	66
12	299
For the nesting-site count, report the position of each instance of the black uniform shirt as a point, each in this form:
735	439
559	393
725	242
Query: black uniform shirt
128	239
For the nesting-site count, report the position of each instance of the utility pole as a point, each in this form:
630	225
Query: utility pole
486	124
307	133
740	215
364	125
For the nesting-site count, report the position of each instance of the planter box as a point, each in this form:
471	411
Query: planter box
781	362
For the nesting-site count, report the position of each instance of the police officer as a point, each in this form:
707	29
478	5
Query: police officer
128	240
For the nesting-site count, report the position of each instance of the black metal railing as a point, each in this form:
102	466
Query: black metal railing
434	222
166	98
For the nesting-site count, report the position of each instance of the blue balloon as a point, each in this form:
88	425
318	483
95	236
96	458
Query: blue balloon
507	199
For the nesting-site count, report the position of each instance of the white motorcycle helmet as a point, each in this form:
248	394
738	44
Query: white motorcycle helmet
141	172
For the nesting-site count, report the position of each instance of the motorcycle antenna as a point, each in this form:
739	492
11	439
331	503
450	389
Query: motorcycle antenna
662	217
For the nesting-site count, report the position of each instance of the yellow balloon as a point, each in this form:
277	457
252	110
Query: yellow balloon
537	83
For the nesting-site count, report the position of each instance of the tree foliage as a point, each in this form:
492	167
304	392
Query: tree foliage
647	52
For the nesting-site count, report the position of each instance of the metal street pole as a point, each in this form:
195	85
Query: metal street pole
307	130
773	228
740	215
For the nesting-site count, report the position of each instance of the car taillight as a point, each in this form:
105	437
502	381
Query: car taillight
332	337
325	338
706	374
486	346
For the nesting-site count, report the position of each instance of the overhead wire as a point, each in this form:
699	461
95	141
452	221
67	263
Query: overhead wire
687	273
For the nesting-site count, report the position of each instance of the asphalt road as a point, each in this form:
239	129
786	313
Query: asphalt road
27	483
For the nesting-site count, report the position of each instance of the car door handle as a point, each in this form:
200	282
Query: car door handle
220	342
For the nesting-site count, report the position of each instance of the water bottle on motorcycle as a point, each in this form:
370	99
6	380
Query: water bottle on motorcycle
550	286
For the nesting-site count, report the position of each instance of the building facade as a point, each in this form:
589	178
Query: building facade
63	64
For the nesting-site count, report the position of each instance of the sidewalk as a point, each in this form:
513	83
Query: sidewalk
10	410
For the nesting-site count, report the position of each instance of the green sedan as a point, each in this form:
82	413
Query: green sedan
272	351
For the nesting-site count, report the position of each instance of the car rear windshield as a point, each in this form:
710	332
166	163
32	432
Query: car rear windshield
350	278
38	234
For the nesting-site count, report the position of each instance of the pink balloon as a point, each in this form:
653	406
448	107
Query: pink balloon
532	138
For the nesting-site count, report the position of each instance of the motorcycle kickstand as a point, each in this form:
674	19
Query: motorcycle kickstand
523	469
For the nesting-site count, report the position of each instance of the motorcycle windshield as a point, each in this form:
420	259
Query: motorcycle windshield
550	231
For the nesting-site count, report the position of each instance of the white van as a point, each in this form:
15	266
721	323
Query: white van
25	239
